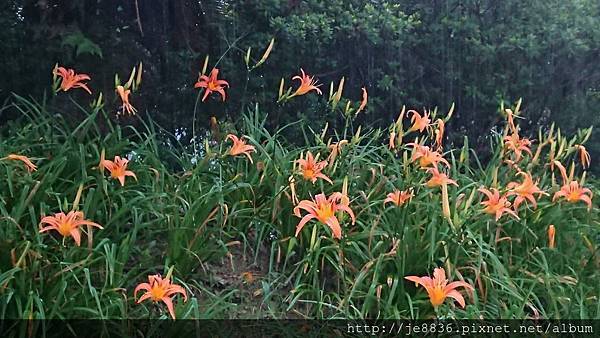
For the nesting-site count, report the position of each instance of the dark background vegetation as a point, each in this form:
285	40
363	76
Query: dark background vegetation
474	53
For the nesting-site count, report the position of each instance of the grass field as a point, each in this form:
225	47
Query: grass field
222	222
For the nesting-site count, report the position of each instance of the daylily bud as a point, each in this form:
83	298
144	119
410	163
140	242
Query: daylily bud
446	203
363	102
117	80
464	153
247	58
392	142
170	272
129	82
551	234
571	171
281	84
518	107
102	158
138	80
266	54
97	103
347	110
205	66
78	197
338	94
450	112
470	199
330	92
356	137
587	134
401	116
495	177
324	130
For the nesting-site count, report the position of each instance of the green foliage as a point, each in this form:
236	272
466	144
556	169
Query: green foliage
81	44
223	217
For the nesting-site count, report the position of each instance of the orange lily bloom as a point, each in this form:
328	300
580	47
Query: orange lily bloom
118	169
365	98
67	225
496	205
517	145
399	198
438	288
438	178
551	234
26	161
240	147
124	95
571	190
584	156
573	193
426	156
311	169
323	209
211	84
419	122
71	80
307	83
524	191
160	290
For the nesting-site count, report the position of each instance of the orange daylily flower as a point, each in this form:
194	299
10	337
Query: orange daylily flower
365	98
496	205
438	178
160	290
399	198
524	191
419	122
573	193
517	145
311	169
71	80
551	234
212	84
571	190
438	288
26	161
426	156
323	209
124	95
584	156
240	147
307	83
118	169
67	225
